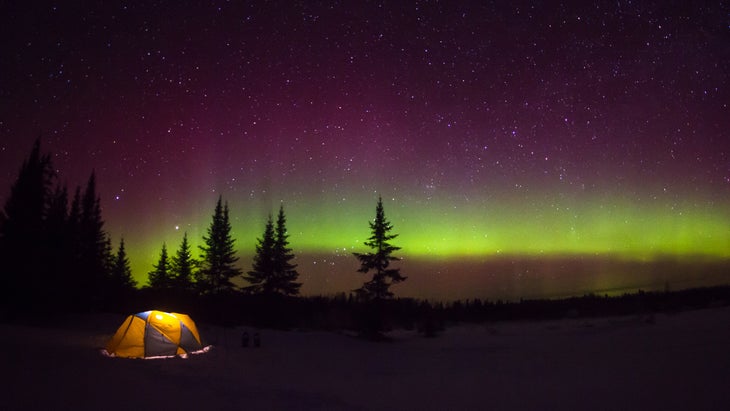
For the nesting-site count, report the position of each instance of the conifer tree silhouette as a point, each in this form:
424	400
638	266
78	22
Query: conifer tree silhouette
379	259
94	250
218	256
285	272
121	273
272	272
183	266
58	256
160	278
263	262
23	242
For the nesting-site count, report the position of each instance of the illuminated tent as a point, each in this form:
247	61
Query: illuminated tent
155	334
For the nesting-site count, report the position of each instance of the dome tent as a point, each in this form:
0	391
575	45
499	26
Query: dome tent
155	334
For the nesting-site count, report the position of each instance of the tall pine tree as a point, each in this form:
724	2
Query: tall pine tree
218	258
121	273
272	271
262	271
285	272
93	249
52	256
183	266
379	259
160	278
24	247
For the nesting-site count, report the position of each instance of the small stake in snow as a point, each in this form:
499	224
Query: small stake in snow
244	339
256	340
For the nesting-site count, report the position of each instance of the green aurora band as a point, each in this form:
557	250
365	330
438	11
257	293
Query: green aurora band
439	238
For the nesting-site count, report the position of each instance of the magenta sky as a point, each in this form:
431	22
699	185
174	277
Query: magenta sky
518	128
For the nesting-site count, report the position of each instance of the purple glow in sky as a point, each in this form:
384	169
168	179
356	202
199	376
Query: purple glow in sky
507	128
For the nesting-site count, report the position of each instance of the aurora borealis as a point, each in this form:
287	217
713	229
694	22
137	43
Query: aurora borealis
520	149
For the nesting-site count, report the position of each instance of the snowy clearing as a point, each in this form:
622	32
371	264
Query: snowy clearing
678	361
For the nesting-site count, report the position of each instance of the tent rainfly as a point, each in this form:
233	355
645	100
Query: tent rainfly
155	334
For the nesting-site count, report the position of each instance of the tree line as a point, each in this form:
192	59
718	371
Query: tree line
56	253
272	271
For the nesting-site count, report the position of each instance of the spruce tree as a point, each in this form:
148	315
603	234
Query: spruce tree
218	256
379	259
272	271
52	255
121	273
24	251
285	273
25	209
262	271
160	278
94	250
182	268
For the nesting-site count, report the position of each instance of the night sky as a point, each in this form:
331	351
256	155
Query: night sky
520	149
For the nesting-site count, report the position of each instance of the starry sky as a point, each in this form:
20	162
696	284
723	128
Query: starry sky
522	149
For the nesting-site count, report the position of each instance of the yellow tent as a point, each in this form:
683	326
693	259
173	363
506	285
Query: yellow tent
155	334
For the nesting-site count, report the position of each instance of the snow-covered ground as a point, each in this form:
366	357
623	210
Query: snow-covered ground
679	361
